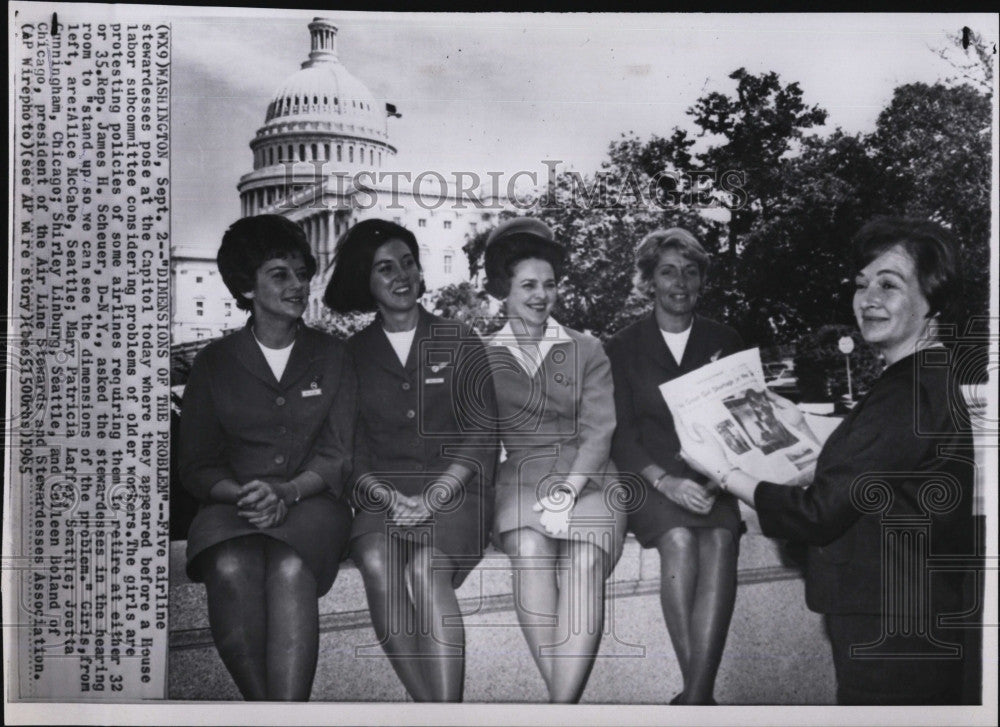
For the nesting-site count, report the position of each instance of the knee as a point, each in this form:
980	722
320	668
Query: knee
676	540
232	565
288	569
371	556
428	566
526	543
419	570
719	539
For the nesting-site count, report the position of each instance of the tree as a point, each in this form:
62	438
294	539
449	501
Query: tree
796	269
756	128
782	263
972	59
464	302
932	150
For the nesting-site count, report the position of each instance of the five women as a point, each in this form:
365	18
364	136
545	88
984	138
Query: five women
279	421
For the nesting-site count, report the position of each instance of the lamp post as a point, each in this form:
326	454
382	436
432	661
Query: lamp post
846	346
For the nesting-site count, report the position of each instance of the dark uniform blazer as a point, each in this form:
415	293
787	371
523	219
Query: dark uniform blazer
640	362
904	451
415	420
239	422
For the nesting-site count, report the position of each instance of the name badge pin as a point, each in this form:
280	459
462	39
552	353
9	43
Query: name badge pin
311	392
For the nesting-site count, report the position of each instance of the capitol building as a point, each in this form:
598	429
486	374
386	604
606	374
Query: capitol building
324	158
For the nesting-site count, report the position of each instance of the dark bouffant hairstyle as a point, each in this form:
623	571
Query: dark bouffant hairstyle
931	247
251	242
349	288
523	238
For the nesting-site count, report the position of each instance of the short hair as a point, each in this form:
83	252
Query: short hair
505	254
647	254
252	241
349	289
931	247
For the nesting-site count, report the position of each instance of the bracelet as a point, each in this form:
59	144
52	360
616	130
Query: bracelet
298	495
723	480
656	482
565	487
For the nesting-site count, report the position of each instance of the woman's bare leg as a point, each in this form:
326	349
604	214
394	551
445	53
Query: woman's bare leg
678	548
581	620
713	610
534	560
234	581
441	633
292	624
382	562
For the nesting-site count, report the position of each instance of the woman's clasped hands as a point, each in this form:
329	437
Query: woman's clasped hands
260	503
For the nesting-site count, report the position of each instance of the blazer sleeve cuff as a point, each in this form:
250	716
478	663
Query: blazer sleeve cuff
771	501
200	485
331	471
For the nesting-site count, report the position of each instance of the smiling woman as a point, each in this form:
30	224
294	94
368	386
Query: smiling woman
265	435
900	456
424	455
695	531
555	492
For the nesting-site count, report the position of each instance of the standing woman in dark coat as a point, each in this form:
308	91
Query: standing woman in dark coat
695	532
424	458
902	456
265	444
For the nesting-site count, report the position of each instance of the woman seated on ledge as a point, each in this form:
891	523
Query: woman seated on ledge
558	514
904	451
695	532
425	452
265	442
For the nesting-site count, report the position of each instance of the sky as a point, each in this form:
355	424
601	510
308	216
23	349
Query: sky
502	92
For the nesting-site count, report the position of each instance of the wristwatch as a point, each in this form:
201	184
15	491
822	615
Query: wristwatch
298	495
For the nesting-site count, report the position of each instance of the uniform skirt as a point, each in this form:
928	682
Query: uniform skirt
459	529
317	529
597	516
656	515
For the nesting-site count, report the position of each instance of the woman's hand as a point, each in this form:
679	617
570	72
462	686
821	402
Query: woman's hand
786	412
256	496
261	505
702	453
804	477
556	510
686	493
270	518
407	510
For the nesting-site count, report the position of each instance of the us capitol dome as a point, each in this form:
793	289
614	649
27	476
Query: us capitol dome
322	127
321	120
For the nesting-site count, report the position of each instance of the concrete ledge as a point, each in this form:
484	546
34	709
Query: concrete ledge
486	590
